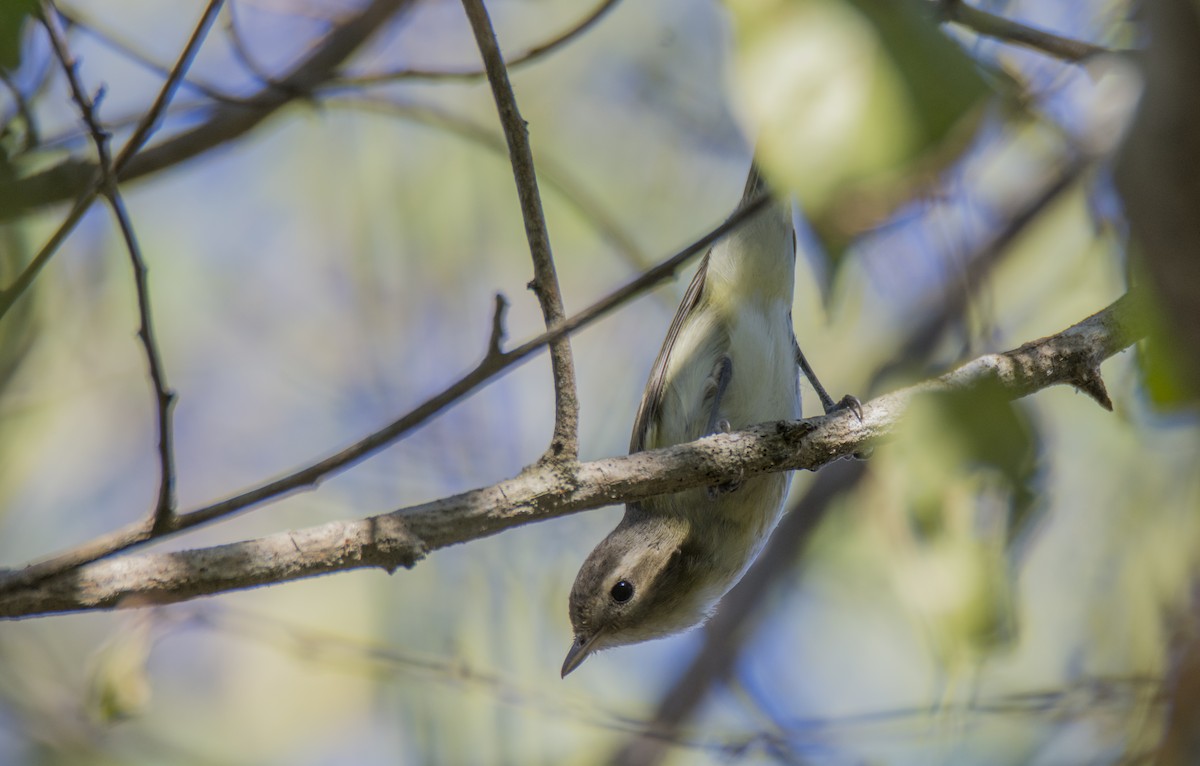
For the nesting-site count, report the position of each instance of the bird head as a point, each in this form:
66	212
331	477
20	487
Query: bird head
641	582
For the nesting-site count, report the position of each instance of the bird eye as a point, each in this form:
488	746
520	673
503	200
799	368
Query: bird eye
622	591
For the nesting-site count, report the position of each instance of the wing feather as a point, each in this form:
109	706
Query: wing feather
652	399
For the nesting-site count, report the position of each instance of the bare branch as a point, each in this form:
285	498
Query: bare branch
241	51
532	54
991	25
150	120
403	537
564	444
226	122
555	175
497	337
137	534
164	397
164	507
23	110
113	41
10	294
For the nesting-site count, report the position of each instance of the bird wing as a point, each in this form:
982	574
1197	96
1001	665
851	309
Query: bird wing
648	410
651	405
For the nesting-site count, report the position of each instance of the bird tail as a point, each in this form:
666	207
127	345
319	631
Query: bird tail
755	184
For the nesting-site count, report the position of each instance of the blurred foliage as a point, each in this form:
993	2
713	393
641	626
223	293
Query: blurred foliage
120	683
888	97
1162	373
13	15
16	331
1013	565
956	486
942	82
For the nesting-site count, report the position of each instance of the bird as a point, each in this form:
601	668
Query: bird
729	361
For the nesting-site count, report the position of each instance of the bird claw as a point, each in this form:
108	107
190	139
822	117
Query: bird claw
724	488
847	402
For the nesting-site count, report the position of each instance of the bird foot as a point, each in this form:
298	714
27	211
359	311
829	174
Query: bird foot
847	402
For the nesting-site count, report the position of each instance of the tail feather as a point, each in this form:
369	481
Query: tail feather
755	184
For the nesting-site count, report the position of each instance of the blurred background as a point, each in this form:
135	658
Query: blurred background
1003	585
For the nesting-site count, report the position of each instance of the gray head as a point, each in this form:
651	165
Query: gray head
646	580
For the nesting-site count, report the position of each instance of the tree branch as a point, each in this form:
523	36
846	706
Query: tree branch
553	174
403	537
1016	33
309	476
225	123
114	42
150	121
164	507
564	444
532	54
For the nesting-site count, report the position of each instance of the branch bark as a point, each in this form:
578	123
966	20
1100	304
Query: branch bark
405	536
564	444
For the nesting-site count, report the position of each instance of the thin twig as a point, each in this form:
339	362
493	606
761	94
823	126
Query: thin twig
164	507
496	340
113	41
98	172
154	114
164	397
532	54
386	661
311	475
225	123
554	175
954	301
23	110
10	294
564	445
991	25
405	536
241	51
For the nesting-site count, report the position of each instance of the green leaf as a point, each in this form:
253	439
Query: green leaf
1161	357
1162	369
855	105
993	434
13	14
943	84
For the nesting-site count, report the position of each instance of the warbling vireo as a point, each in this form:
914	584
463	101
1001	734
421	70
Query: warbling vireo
729	361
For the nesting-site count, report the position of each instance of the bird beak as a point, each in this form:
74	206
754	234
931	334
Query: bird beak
581	647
